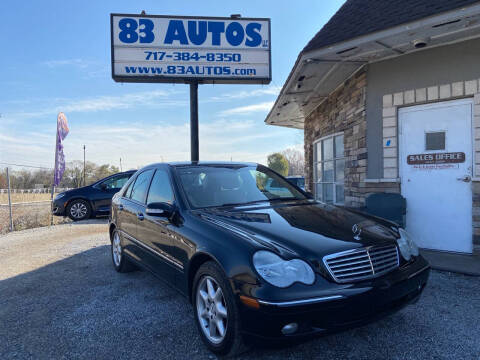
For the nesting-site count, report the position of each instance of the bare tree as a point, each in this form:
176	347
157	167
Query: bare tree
3	179
296	161
72	177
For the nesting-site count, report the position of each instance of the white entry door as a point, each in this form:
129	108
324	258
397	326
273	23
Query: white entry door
435	162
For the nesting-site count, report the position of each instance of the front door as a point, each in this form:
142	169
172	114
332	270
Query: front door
435	159
104	191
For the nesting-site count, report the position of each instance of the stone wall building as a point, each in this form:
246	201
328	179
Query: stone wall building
388	97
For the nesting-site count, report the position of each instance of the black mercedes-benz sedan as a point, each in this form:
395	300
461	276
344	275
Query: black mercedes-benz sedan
92	200
256	260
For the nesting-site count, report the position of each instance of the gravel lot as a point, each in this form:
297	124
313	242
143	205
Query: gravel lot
61	298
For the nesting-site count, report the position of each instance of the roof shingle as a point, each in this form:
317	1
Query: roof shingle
360	17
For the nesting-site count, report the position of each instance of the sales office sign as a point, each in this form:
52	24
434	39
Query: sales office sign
151	48
436	158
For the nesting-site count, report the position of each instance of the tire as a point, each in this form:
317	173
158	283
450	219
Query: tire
120	262
222	310
79	210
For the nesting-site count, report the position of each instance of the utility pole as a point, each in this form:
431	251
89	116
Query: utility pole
121	165
84	183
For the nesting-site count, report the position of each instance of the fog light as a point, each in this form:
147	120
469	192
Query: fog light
289	329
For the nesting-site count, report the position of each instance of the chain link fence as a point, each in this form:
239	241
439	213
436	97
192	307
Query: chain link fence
26	208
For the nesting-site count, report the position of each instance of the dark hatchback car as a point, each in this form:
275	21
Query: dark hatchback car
92	200
257	263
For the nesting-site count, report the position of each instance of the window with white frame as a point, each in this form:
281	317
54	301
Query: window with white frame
329	169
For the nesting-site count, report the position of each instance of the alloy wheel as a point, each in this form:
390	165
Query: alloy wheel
116	249
211	310
78	210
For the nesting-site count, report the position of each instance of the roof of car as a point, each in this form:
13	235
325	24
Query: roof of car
205	163
360	17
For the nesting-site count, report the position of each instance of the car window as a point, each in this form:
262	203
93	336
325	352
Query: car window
140	188
116	182
207	186
127	193
274	184
161	189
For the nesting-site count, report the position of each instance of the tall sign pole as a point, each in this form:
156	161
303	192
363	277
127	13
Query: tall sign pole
194	143
190	50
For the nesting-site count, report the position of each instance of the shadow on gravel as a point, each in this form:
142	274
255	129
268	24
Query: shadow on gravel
79	307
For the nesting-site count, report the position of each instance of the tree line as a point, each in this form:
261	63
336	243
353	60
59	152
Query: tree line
72	177
289	162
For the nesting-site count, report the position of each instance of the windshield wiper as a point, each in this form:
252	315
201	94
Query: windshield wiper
242	203
259	201
285	198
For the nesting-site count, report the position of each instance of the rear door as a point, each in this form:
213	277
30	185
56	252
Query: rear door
130	214
125	213
155	232
104	191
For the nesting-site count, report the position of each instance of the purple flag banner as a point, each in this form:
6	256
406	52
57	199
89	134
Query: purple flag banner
62	132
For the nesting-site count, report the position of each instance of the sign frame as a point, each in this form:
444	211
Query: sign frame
187	79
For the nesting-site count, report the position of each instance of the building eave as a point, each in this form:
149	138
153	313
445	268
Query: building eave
317	73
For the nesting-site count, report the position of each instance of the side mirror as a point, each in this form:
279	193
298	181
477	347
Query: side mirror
309	195
160	209
103	186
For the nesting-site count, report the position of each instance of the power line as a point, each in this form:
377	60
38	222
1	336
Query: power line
27	162
29	166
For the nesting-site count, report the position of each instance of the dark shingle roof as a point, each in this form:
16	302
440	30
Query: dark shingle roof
360	17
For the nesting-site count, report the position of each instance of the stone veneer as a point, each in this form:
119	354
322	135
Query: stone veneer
344	111
445	92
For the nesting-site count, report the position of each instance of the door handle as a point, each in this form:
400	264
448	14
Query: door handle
466	178
140	216
120	207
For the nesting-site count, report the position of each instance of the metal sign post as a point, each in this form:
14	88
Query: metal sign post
190	50
194	143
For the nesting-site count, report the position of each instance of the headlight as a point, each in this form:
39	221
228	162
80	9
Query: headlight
59	196
282	273
411	244
406	245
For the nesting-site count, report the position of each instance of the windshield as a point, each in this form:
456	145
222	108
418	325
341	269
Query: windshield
209	186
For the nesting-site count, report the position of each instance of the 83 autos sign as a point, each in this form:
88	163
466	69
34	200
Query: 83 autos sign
150	48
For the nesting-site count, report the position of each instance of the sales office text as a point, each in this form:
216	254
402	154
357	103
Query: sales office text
195	33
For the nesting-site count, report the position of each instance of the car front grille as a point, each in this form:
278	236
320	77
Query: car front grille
362	264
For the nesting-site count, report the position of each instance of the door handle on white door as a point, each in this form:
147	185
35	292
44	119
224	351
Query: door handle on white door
466	178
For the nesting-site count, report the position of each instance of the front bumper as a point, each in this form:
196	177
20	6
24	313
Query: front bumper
58	207
341	308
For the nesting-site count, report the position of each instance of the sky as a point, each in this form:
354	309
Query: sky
55	56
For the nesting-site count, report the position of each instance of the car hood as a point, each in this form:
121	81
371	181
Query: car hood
307	229
76	191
